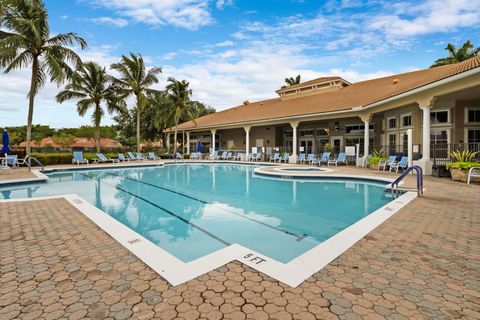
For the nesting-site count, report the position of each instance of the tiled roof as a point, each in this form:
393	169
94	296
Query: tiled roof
310	82
357	94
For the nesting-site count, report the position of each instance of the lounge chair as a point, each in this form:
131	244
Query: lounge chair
121	157
213	156
284	158
12	160
78	158
178	156
386	163
402	164
224	155
275	157
258	157
229	156
3	165
474	172
324	158
301	158
152	156
310	158
141	157
101	158
238	156
131	156
342	158
251	156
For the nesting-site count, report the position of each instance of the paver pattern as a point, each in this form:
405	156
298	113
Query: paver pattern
17	173
423	263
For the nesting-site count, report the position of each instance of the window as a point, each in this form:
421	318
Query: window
307	132
357	128
392	139
288	134
439	136
473	115
322	132
473	135
439	117
405	142
407	120
391	123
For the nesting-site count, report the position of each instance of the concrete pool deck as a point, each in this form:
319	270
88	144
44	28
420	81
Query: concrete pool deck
421	263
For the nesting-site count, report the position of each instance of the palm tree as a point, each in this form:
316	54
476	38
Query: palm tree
292	81
135	80
455	55
25	40
182	107
92	85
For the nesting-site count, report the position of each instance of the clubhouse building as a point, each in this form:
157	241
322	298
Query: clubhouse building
441	105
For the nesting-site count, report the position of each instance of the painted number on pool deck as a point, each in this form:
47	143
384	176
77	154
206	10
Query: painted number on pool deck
251	257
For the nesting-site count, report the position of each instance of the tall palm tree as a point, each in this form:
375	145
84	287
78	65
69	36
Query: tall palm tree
135	80
25	40
465	52
160	115
92	86
292	81
182	107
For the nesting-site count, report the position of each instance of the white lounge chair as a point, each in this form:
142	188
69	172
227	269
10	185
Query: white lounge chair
238	156
121	157
342	158
78	158
275	157
101	158
402	164
310	158
152	156
284	158
324	158
178	156
141	157
301	158
472	173
213	156
386	163
131	156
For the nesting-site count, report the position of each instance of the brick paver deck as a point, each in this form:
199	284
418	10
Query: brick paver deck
423	263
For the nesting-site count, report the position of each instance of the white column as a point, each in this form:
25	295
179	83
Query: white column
214	132
410	146
426	133
366	135
293	157
188	142
247	142
168	142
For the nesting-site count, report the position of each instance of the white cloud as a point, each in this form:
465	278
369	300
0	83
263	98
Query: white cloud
116	22
188	14
224	3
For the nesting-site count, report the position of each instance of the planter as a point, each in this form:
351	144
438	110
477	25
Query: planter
462	175
374	166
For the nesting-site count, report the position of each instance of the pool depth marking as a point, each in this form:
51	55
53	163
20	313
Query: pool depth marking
298	237
173	214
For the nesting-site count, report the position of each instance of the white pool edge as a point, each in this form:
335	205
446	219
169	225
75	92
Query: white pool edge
176	271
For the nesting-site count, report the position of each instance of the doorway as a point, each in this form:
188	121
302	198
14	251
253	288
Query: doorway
306	146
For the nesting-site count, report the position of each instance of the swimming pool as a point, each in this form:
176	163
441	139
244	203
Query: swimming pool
192	210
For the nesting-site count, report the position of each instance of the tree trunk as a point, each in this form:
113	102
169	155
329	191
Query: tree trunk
97	128
175	139
31	100
138	122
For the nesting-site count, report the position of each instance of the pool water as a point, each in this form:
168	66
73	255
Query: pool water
191	210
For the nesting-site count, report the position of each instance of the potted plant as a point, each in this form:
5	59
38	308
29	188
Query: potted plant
377	156
462	162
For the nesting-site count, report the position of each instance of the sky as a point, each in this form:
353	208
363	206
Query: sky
236	50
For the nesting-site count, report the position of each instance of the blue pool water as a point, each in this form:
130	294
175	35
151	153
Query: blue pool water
191	210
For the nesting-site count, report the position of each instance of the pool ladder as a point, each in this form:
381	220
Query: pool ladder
29	162
419	172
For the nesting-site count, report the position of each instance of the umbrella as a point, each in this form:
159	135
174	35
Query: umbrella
199	147
5	142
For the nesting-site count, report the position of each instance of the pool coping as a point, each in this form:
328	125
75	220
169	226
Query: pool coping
177	272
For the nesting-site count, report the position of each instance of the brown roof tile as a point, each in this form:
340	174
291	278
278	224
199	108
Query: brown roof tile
355	95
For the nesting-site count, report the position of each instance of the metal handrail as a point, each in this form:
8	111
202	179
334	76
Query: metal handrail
37	161
419	172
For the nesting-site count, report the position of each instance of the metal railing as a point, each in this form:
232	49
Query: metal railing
418	170
29	163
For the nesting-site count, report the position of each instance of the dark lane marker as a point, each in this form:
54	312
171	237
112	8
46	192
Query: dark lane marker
173	214
298	237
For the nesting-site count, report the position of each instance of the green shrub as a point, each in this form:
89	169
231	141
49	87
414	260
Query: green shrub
463	165
376	160
54	158
463	156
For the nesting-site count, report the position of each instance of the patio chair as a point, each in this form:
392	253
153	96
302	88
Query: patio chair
224	155
141	157
251	156
78	158
258	157
310	158
275	157
386	163
342	158
102	159
284	158
131	156
229	156
152	156
12	160
301	158
121	157
213	156
178	156
402	164
473	174
324	158
238	156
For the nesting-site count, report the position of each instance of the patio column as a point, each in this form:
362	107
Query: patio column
425	163
214	132
247	141
188	142
366	135
293	157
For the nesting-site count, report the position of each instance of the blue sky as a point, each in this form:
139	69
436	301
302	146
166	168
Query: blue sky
233	50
